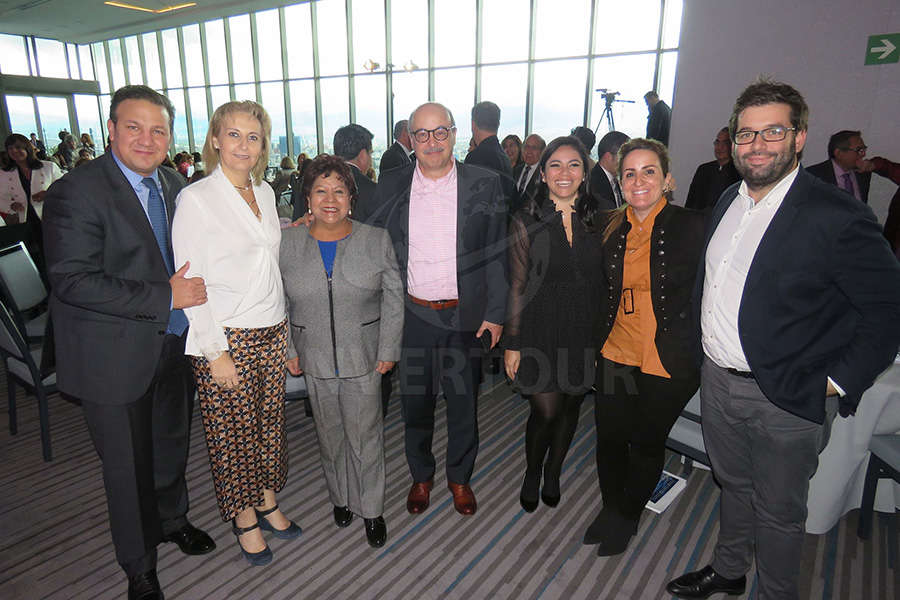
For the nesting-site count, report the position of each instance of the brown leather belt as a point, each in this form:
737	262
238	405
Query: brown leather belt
434	304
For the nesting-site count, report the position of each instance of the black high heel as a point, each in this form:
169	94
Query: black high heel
257	559
293	530
528	497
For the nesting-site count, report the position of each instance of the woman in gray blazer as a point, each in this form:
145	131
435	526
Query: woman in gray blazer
345	305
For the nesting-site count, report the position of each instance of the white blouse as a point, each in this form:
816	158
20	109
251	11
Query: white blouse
11	188
235	253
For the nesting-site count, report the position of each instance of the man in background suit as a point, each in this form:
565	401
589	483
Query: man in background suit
447	221
116	305
714	177
488	153
659	118
353	143
604	185
797	304
398	154
528	178
846	152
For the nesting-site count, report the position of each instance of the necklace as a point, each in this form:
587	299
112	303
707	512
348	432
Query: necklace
243	188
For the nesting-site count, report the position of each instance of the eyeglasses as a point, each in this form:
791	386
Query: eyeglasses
769	134
438	133
859	149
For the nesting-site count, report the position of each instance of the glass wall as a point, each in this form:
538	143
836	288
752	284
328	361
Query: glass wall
314	65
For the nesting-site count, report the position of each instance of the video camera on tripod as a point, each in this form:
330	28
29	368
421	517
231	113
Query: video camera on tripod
609	97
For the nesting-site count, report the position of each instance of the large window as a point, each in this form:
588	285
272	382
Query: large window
539	60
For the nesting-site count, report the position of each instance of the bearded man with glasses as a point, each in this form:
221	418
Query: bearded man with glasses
447	221
796	302
844	167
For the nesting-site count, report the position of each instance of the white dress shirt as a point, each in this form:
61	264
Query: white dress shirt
615	188
728	258
235	253
525	177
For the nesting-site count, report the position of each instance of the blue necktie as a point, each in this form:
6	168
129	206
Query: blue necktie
157	211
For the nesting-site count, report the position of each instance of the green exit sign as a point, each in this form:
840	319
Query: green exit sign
883	49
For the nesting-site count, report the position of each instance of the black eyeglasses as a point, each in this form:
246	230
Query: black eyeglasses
438	133
858	149
769	134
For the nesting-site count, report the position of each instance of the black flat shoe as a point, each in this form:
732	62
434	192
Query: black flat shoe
145	587
551	501
618	533
704	583
528	497
598	529
256	559
293	530
191	541
342	516
376	531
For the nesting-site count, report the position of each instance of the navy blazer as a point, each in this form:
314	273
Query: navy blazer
821	299
480	237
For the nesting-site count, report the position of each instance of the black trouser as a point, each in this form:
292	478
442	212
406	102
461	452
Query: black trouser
143	446
438	357
634	413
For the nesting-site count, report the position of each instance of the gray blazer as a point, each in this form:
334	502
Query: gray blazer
367	295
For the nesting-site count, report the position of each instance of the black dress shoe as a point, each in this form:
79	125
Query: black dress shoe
342	516
619	531
191	540
597	530
145	587
704	583
376	531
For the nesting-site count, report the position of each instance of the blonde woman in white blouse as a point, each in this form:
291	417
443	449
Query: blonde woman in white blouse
226	227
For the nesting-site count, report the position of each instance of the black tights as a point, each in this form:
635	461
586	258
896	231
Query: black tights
551	427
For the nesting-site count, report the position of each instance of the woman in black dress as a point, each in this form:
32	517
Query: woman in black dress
549	352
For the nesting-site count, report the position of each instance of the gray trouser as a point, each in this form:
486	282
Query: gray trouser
350	429
763	457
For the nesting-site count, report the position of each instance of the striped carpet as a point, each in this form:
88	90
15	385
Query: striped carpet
54	538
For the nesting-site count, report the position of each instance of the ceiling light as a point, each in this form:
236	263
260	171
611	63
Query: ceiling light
156	11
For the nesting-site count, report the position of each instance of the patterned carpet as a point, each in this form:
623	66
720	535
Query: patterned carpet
54	538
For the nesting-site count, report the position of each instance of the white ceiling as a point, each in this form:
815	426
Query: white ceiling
85	21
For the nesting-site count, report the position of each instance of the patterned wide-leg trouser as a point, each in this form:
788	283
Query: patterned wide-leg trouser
245	425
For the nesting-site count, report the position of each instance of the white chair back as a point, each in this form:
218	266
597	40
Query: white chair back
21	277
10	337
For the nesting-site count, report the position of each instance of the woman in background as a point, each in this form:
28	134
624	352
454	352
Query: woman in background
548	334
227	228
512	145
646	338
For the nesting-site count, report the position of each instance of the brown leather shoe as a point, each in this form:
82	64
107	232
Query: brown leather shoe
419	497
463	498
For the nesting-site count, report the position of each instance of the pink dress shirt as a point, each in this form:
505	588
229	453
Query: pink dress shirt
431	269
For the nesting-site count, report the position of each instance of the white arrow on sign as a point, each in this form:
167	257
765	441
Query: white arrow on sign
885	50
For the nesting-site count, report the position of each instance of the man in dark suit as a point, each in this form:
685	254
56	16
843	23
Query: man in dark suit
714	177
604	185
353	143
398	154
658	119
116	306
797	301
846	152
488	153
448	224
528	178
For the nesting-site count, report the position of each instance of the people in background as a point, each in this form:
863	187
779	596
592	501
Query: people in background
66	152
659	118
714	177
87	145
846	153
282	181
646	370
116	304
24	180
353	144
798	306
587	138
40	149
548	341
345	304
512	145
185	164
400	152
605	186
226	231
447	222
527	180
890	170
487	152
